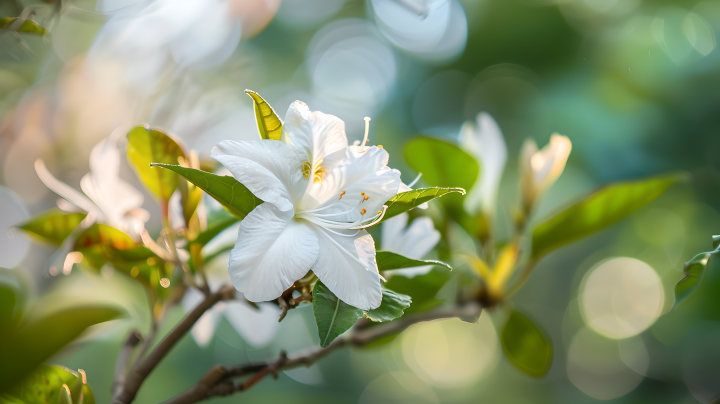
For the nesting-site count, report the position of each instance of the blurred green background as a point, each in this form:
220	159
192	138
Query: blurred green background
633	84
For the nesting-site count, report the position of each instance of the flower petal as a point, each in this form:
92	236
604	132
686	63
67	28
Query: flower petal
204	329
346	265
268	168
272	251
392	232
313	133
66	191
359	172
256	327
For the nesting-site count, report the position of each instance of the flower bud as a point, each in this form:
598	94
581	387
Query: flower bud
540	169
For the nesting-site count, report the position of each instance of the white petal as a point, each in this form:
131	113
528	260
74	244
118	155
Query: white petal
112	195
346	265
272	251
487	144
268	168
313	133
419	238
256	327
191	299
66	191
204	329
392	232
354	170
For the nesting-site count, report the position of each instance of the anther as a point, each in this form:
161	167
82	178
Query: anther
379	212
342	193
362	193
363	211
379	146
365	198
356	143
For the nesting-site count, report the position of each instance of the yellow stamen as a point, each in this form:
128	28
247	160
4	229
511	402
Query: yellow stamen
362	193
379	212
362	212
342	193
365	198
379	146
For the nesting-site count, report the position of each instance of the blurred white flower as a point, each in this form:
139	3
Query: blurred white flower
110	200
257	327
145	36
319	196
413	241
540	169
485	142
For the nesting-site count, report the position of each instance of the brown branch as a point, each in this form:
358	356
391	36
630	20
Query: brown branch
123	359
216	381
139	372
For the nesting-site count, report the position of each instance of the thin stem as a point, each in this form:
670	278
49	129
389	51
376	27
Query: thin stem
216	381
144	366
123	359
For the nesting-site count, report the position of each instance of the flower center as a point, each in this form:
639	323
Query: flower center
316	171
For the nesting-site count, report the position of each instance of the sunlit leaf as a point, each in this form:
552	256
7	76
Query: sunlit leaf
387	261
147	145
45	385
52	226
332	316
268	123
526	346
392	307
601	209
190	196
26	348
694	270
422	289
27	27
231	194
408	200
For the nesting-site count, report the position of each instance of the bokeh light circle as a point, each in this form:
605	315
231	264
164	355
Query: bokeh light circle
451	353
397	388
621	297
595	366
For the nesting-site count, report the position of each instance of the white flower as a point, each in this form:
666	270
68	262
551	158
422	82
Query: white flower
257	327
319	195
110	200
486	143
540	169
413	241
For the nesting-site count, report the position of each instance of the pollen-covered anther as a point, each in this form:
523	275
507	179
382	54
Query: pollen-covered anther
379	212
365	198
379	146
342	193
363	211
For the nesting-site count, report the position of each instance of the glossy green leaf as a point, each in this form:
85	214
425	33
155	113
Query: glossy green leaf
101	243
601	209
392	307
422	289
387	261
268	123
27	27
8	301
408	200
45	385
526	346
231	194
442	164
332	316
147	145
26	348
694	270
52	226
217	222
190	196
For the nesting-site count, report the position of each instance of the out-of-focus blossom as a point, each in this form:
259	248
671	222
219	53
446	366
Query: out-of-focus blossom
110	200
145	38
486	143
319	196
540	169
257	327
413	241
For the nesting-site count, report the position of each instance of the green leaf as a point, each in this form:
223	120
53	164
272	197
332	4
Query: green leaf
422	289
231	194
52	226
26	348
147	146
408	200
392	307
526	346
190	197
45	385
387	261
217	222
101	243
8	300
694	270
268	123
27	27
332	316
602	209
